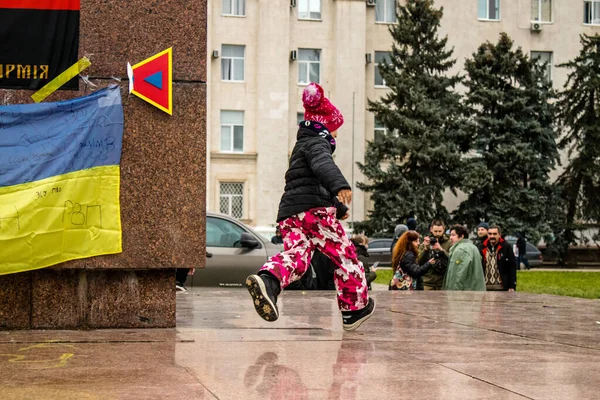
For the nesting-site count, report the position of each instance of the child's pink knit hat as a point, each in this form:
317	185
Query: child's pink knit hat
319	109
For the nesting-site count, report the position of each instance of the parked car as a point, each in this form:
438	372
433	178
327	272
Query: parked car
233	251
379	250
533	254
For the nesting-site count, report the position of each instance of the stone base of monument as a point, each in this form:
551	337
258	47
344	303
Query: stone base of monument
53	298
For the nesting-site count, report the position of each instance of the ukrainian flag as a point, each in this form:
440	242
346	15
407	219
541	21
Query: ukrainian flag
59	181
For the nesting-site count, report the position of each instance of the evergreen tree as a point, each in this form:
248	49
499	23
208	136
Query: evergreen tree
511	115
579	113
410	166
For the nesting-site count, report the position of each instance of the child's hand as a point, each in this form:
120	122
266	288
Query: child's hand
345	196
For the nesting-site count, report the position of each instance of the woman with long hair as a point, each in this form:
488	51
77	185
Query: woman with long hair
404	262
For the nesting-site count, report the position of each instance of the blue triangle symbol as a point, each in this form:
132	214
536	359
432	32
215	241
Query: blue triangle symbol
155	79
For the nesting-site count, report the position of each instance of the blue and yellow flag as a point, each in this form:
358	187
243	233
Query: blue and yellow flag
59	180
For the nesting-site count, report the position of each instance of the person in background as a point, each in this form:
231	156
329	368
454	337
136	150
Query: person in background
404	258
499	262
361	243
411	223
464	269
522	251
181	275
277	239
398	231
437	246
482	235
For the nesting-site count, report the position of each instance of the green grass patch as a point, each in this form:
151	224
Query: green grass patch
384	276
561	283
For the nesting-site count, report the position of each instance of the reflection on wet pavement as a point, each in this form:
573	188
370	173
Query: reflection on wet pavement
425	345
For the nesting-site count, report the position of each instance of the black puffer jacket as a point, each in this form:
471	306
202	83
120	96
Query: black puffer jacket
410	266
312	179
507	265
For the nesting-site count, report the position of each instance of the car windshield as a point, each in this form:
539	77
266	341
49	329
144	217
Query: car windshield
222	233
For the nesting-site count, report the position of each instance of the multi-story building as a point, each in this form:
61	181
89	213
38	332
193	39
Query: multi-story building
262	53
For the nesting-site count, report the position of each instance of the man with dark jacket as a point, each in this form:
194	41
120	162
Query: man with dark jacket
498	261
522	249
482	235
277	239
434	278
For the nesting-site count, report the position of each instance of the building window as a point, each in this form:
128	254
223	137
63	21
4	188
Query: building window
380	57
591	12
380	130
232	62
385	11
232	131
489	10
234	7
299	118
231	199
309	66
543	57
309	9
541	10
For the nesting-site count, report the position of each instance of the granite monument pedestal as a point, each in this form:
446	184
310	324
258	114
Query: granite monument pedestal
162	178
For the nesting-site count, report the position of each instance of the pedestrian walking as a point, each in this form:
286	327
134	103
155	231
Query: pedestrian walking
522	252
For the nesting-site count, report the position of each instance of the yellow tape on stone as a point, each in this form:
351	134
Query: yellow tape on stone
61	79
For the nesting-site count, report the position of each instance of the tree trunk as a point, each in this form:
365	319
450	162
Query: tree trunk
573	194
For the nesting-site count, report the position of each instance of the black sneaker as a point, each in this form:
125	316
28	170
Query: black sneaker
354	319
180	288
264	290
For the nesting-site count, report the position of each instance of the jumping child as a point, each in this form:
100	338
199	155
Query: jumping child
307	219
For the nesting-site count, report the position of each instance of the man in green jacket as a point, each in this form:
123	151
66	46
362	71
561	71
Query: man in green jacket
464	269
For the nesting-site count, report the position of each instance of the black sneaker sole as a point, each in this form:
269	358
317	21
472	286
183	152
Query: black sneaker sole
356	324
262	303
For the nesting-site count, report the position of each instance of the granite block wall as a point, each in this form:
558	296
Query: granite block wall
162	178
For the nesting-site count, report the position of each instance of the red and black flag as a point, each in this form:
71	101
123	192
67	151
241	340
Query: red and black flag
39	39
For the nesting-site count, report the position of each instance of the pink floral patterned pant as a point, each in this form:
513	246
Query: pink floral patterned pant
318	228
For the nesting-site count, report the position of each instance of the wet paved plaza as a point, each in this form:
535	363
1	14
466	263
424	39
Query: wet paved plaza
418	345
